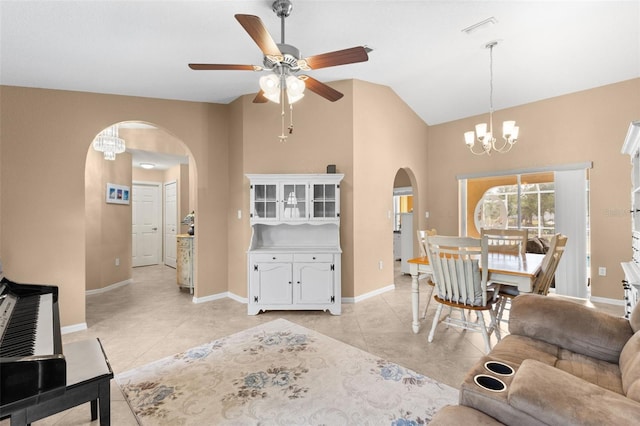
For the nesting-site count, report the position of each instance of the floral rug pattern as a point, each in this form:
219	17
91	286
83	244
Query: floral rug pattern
280	373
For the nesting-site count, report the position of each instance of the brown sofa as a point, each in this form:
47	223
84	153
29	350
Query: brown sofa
571	364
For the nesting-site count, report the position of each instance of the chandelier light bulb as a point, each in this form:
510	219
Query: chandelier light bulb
481	130
469	138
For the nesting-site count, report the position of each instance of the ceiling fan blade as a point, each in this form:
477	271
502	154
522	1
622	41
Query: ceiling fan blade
321	89
339	57
256	29
223	67
260	99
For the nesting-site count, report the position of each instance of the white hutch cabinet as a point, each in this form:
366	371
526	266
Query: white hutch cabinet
631	269
294	256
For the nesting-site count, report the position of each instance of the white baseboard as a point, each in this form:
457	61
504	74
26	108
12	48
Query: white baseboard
616	302
73	328
237	298
210	298
109	287
368	295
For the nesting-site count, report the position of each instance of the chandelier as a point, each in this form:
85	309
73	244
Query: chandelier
109	143
486	139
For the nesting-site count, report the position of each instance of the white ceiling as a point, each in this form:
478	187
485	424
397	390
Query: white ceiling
141	48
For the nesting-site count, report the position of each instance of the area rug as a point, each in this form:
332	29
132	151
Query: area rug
280	373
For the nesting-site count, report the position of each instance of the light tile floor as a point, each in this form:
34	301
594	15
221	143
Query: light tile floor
152	318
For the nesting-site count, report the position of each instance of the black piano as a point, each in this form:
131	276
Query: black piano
32	365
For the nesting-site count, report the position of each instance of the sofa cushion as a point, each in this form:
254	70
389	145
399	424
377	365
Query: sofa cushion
602	373
456	415
557	398
535	246
515	349
569	325
630	367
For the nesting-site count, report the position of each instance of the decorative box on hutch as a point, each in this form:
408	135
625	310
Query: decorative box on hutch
294	259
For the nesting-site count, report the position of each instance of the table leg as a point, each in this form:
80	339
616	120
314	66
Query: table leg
415	300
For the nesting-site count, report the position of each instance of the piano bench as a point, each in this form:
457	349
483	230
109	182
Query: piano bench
88	377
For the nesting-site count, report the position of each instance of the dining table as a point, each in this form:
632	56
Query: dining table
518	270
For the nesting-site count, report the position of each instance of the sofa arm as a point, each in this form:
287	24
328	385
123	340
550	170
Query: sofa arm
556	397
569	325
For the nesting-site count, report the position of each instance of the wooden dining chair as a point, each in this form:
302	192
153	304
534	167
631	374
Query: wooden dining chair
543	280
506	241
460	269
550	264
422	243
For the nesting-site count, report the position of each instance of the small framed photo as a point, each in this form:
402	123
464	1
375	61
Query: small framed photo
118	194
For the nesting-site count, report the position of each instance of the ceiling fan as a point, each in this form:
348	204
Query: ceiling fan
285	61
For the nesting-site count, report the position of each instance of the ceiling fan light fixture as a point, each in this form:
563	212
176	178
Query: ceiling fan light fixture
270	85
295	89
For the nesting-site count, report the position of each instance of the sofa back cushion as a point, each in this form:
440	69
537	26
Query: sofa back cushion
630	367
569	325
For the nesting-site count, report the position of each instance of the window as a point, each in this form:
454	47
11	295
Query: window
524	206
545	200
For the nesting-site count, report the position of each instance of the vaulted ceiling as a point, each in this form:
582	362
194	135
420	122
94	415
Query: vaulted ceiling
142	48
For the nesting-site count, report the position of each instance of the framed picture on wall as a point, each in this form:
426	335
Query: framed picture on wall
118	194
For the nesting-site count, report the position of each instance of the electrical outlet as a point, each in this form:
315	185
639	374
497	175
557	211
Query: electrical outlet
117	261
426	215
602	271
380	265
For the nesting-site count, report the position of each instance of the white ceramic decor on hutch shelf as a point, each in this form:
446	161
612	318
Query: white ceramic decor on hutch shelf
294	257
631	269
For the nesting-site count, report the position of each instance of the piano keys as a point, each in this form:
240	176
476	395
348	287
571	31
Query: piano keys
32	365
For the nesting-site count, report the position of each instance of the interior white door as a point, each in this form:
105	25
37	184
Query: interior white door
170	223
147	216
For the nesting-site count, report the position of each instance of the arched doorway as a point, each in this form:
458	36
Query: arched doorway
405	223
110	226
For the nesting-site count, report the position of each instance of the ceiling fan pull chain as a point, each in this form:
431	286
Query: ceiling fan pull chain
282	136
291	118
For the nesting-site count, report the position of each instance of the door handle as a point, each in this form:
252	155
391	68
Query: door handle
154	229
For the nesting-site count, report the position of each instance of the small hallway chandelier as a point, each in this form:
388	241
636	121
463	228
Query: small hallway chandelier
486	139
109	143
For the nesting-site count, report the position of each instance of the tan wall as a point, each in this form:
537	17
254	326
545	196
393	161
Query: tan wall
46	136
369	135
322	135
579	127
108	226
388	136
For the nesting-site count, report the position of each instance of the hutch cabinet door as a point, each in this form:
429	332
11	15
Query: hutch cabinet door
271	283
294	202
325	201
314	282
264	201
